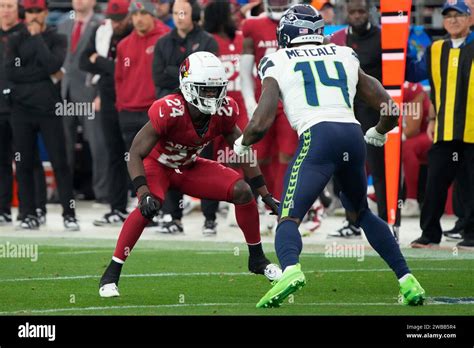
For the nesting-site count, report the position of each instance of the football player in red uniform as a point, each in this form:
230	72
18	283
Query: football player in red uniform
218	21
165	153
260	40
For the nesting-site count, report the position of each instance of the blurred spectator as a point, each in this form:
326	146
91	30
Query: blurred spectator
99	58
416	142
365	39
77	88
219	20
170	51
34	57
253	8
326	8
448	65
186	38
163	12
470	4
134	86
273	156
9	24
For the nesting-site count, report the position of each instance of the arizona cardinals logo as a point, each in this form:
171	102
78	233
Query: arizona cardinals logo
184	68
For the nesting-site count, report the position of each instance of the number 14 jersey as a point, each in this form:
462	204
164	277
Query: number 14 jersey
317	83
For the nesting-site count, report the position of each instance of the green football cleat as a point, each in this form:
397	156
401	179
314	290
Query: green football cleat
411	292
291	280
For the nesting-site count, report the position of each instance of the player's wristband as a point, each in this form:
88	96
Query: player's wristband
257	182
138	182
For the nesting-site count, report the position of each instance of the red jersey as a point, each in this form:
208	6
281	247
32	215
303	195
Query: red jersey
179	143
410	92
262	30
133	69
229	52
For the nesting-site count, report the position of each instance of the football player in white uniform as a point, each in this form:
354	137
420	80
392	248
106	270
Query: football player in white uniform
317	83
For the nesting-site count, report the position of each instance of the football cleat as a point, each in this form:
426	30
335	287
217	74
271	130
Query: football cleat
171	227
30	222
5	218
71	224
263	266
411	292
272	272
109	290
347	231
113	218
209	228
291	280
41	214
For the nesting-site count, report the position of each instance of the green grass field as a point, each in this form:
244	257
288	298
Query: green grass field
205	278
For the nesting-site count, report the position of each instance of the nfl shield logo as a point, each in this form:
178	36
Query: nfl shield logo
303	31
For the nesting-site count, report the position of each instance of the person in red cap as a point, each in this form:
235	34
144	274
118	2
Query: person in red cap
41	50
99	58
133	69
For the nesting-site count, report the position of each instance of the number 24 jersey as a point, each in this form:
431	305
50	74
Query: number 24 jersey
179	143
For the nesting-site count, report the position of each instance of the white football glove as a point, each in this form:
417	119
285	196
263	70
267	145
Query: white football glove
240	149
372	137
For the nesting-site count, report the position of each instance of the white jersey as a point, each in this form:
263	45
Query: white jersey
317	83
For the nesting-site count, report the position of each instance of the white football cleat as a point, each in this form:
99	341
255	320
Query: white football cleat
272	272
109	290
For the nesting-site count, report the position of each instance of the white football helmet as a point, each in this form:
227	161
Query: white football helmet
275	9
203	81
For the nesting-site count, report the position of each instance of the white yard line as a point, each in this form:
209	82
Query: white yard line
198	274
315	304
54	310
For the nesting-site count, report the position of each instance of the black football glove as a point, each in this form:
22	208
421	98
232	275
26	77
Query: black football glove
149	206
272	203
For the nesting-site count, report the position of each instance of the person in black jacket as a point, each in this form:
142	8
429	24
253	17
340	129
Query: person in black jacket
10	24
9	14
170	51
34	56
99	58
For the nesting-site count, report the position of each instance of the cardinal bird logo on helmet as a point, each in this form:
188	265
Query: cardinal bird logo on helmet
184	68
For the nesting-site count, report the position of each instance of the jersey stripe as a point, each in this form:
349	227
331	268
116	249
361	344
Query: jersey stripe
469	124
436	75
451	82
295	169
